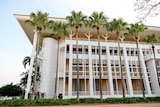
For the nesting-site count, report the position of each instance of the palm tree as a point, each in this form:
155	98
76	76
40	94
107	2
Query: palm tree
23	80
26	61
135	30
38	21
76	20
118	25
59	31
98	20
152	39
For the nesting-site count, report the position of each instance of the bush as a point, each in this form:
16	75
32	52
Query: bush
52	102
129	100
88	100
153	99
112	100
73	101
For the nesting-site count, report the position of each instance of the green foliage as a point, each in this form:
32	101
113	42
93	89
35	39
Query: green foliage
38	20
88	100
76	19
11	90
52	102
153	99
112	100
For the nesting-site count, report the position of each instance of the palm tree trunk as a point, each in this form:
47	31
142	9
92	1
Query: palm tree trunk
29	79
36	65
55	90
155	63
140	72
100	72
77	64
120	62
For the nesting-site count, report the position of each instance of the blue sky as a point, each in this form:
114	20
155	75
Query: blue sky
14	45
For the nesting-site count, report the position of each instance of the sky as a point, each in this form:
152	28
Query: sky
14	44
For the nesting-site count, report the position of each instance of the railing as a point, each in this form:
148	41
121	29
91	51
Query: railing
137	92
74	93
80	93
87	93
112	41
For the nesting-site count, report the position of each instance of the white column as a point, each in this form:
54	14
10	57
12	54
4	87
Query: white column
89	35
64	65
28	88
48	68
90	69
153	76
128	76
70	70
145	76
109	70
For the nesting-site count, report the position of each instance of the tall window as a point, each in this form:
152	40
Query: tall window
74	49
80	67
114	85
97	88
80	85
103	51
86	49
67	49
80	49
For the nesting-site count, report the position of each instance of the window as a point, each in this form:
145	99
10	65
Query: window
114	85
117	68
67	48
158	50
115	52
80	50
136	52
74	49
86	50
103	51
112	67
93	51
111	52
127	53
80	68
75	85
97	51
121	52
97	88
132	53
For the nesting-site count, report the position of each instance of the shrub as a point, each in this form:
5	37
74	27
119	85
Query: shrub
88	100
52	102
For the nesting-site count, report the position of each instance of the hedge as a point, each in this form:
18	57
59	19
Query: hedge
52	102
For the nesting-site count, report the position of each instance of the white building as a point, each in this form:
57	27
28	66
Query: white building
88	64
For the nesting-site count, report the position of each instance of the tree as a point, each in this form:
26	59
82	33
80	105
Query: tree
98	20
38	21
59	31
76	19
118	25
134	30
11	90
23	81
146	8
152	39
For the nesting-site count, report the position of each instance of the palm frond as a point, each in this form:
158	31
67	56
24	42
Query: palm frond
38	20
76	19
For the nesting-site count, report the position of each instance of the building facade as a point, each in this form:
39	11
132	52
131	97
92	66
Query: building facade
88	58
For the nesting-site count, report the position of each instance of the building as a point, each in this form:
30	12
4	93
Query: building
89	66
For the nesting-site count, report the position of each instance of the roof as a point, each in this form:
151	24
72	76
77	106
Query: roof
28	29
